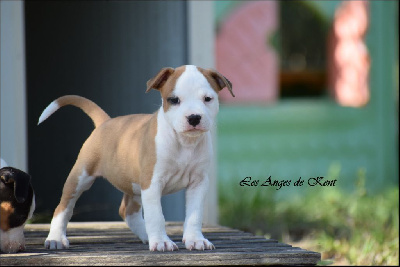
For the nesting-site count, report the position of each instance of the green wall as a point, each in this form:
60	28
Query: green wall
317	137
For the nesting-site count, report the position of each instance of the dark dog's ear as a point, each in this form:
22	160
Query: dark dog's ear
21	182
221	80
159	80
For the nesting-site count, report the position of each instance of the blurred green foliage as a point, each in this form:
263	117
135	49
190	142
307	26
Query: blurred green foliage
358	227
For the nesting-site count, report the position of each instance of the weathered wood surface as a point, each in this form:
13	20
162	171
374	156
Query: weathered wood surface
112	243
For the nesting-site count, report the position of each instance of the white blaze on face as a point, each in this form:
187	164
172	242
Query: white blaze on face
194	93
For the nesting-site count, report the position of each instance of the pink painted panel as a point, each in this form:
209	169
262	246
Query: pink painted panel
244	56
349	60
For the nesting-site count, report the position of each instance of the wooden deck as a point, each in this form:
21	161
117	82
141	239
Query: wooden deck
112	243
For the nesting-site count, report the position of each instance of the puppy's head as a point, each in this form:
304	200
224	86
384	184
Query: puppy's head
19	180
189	97
17	204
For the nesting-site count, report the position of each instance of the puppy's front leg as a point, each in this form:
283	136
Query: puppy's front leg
154	220
192	235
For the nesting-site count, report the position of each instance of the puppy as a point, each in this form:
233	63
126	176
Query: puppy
17	203
147	156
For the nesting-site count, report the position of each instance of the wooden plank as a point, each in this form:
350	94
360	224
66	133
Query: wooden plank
112	243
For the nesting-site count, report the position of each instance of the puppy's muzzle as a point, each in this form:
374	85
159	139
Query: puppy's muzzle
194	119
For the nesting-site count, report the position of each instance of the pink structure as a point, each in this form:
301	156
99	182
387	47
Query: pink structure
244	56
349	60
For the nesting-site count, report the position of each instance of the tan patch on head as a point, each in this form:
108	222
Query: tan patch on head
6	209
169	86
216	80
165	82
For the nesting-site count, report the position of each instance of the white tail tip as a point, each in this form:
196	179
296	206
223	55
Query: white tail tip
53	107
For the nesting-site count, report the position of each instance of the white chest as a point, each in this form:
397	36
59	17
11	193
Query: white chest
178	166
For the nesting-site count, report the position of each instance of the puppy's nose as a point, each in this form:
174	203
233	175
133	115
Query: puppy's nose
194	119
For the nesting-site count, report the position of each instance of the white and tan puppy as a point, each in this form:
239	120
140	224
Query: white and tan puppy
147	156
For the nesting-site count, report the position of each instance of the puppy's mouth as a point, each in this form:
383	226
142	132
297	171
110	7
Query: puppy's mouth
194	131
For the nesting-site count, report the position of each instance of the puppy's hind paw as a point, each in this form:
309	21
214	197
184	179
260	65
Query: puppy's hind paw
143	237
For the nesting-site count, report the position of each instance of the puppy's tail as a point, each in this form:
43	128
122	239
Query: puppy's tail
89	107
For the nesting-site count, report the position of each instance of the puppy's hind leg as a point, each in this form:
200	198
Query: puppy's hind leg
131	211
77	182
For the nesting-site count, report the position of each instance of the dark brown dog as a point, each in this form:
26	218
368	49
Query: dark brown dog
17	203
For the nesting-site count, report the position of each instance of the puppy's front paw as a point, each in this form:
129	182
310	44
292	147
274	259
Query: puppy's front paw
164	244
198	244
56	243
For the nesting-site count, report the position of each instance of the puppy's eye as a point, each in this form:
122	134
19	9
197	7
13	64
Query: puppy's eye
207	99
174	100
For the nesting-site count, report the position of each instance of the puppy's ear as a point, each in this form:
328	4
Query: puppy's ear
221	80
159	80
21	186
